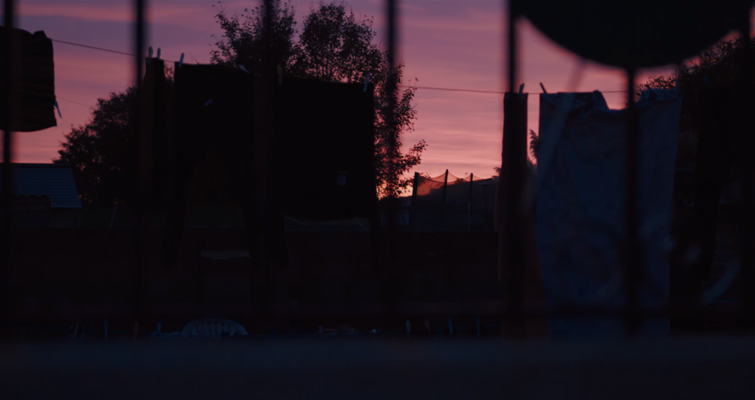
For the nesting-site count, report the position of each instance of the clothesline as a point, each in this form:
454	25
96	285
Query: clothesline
461	90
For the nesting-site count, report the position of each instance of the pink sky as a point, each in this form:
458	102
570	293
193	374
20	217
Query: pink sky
444	43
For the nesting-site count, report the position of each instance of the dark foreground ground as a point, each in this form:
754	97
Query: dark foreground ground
379	368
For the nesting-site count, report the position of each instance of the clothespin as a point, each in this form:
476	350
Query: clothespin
181	61
366	82
241	67
57	107
280	75
521	88
158	53
149	53
543	87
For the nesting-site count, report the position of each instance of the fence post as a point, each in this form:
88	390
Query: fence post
6	193
443	205
413	211
469	204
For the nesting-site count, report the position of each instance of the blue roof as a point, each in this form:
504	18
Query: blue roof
52	180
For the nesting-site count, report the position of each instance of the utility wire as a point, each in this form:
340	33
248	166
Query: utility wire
94	48
486	91
98	48
403	86
72	101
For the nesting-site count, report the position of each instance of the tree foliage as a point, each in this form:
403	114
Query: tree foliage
96	150
334	46
719	66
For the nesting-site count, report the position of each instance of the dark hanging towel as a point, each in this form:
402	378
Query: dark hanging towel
517	232
151	163
325	146
725	140
581	198
213	110
35	105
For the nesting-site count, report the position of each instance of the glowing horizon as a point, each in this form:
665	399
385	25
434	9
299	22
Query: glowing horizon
443	44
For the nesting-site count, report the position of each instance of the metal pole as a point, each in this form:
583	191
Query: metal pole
6	200
414	189
443	204
139	8
469	203
415	185
633	248
747	230
273	237
514	281
391	91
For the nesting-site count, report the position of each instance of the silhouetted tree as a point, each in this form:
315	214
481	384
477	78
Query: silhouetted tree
719	66
96	150
333	46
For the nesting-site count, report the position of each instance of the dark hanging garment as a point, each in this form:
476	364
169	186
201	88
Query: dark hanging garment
213	110
150	162
581	214
325	147
515	222
34	109
725	140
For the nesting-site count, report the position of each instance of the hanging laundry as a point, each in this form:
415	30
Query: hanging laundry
213	109
581	206
34	108
514	217
724	142
325	147
149	165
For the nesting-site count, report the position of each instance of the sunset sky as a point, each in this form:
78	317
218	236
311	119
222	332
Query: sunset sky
444	43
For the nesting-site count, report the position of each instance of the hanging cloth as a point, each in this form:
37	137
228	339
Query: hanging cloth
213	109
34	108
514	216
325	147
724	141
150	162
323	159
581	203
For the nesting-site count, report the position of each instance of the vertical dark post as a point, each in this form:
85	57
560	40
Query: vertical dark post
413	211
443	204
469	203
633	249
391	288
139	8
747	230
273	237
471	183
513	281
392	92
414	189
6	201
